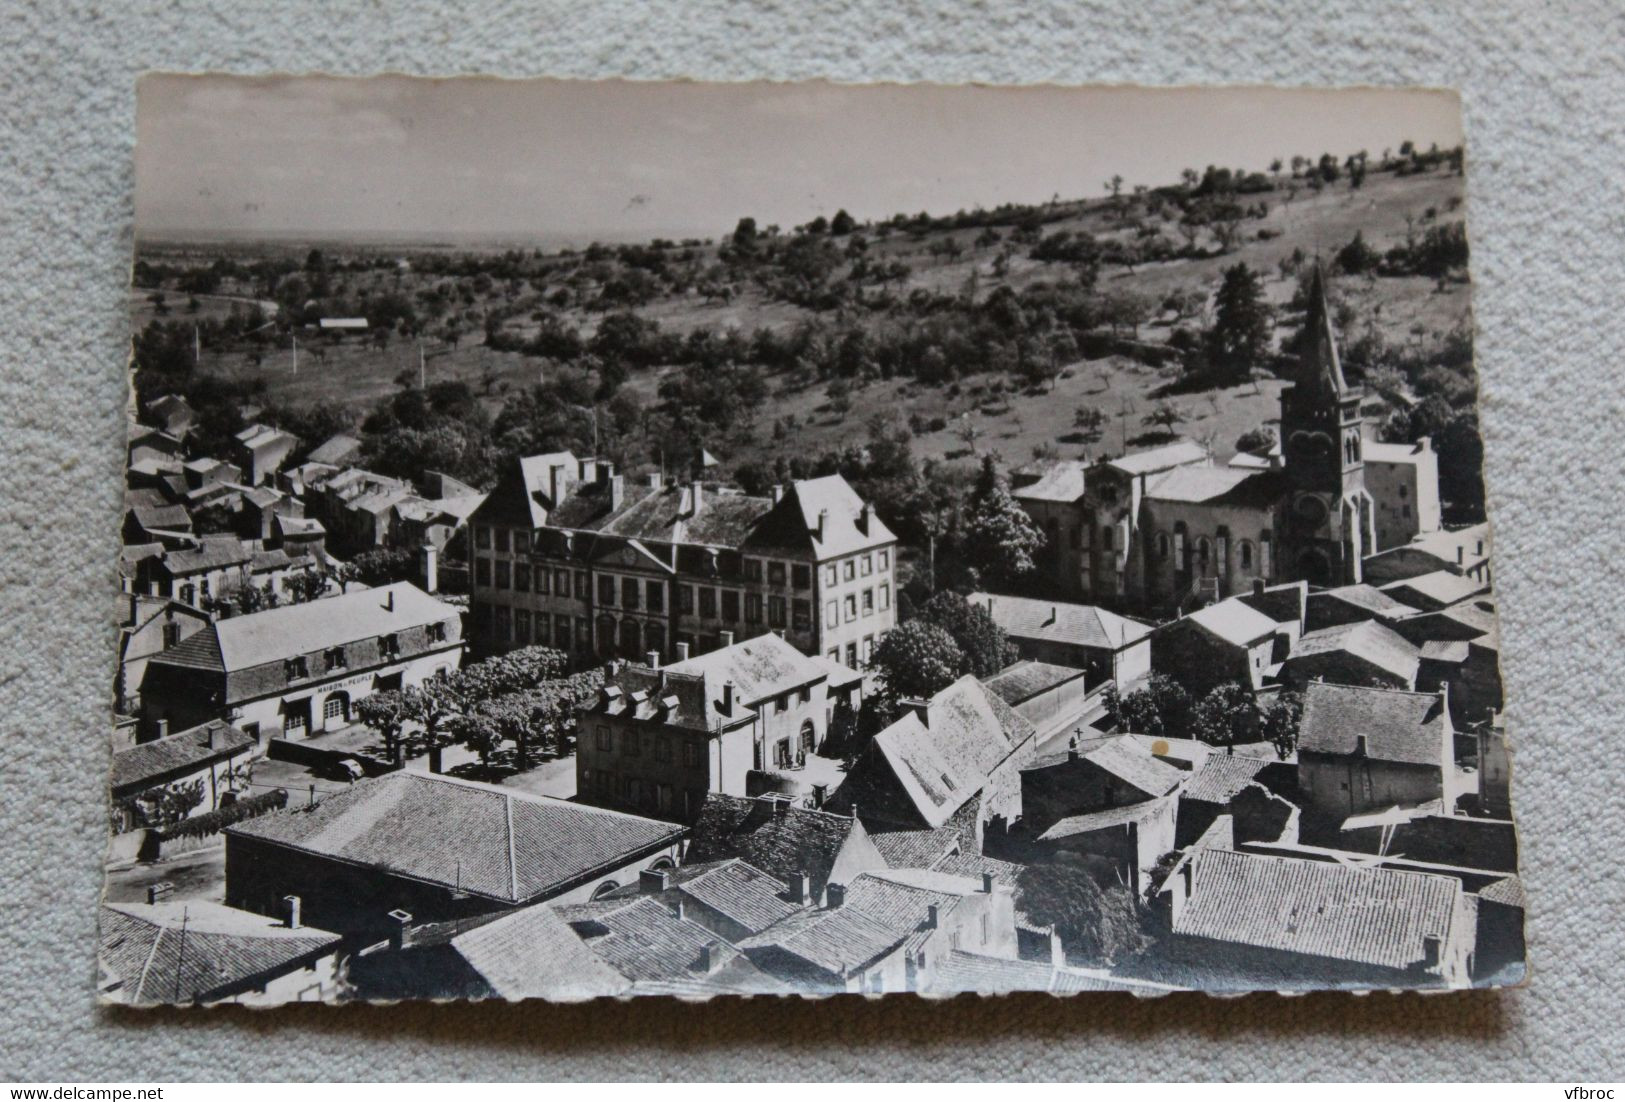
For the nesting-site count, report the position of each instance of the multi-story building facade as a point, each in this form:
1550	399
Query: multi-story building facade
298	670
569	553
659	738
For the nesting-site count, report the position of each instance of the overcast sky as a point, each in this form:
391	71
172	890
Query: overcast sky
573	161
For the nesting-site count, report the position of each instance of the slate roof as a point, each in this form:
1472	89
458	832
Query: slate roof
646	942
1176	454
532	953
213	553
909	849
1357	913
1061	482
1367	598
781	841
1222	777
487	841
760	668
1364	639
1060	622
731	887
1284	603
1125	758
1233	621
146	764
843	532
942	764
1453	651
1026	679
1398	726
254	639
336	450
1508	891
169	518
182	952
1074	825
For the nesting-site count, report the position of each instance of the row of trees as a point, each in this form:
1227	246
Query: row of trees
1228	715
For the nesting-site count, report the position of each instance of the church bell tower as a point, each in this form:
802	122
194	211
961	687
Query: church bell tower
1326	525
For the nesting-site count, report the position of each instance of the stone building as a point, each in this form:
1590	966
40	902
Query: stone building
570	553
1367	749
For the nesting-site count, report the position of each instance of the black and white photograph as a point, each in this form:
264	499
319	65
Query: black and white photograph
592	539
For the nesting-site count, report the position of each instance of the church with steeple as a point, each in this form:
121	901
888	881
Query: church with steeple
1167	529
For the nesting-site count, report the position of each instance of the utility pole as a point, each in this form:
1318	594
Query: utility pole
295	339
197	347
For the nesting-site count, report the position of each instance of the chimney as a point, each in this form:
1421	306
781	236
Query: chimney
291	909
654	880
781	807
921	708
710	958
162	727
159	891
987	883
677	910
617	491
865	516
696	497
655	481
801	888
208	736
1362	746
1480	548
430	559
778	492
397	931
727	698
823	525
727	638
389	600
682	652
1459	550
835	894
1431	946
1072	748
653	659
1258	587
555	475
820	793
930	916
1054	614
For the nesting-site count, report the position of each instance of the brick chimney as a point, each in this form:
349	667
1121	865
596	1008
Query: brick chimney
292	909
400	922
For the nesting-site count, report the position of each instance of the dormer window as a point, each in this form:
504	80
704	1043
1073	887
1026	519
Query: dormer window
437	632
390	645
335	658
295	668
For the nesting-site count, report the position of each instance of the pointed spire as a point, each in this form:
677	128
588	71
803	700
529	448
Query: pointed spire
1319	364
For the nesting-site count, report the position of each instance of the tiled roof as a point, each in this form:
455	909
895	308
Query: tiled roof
1366	597
1179	453
960	971
171	518
909	849
782	841
242	642
737	891
1357	913
844	532
1446	650
1397	726
150	763
1435	590
1284	603
182	952
760	668
646	942
1363	639
1216	485
532	953
1508	891
1005	873
1234	622
1062	482
944	762
480	839
1026	679
1126	758
213	553
1057	621
1075	825
1222	777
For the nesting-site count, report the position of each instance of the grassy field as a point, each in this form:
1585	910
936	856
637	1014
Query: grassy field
355	373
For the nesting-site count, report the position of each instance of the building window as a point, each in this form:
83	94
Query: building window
708	603
1405	511
835	654
851	607
561	584
775	612
1077	537
502	572
294	668
1403	492
1244	552
868	564
1162	545
502	629
336	707
656	596
601	740
561	632
662	748
868	647
482	573
630	593
521	626
852	655
885	596
868	602
172	635
885	559
390	645
801	576
583	632
335	658
775	573
831	574
691	754
832	614
801	614
849	570
544	627
753	570
631	744
502	539
730	605
482	537
437	632
521	577
606	591
685	600
753	608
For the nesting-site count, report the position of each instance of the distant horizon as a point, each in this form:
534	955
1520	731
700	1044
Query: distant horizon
563	163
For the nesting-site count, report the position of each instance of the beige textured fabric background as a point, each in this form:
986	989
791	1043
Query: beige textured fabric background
1543	100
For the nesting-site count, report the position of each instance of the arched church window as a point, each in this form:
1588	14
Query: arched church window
1245	551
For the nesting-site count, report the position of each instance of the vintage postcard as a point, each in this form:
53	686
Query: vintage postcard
609	539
